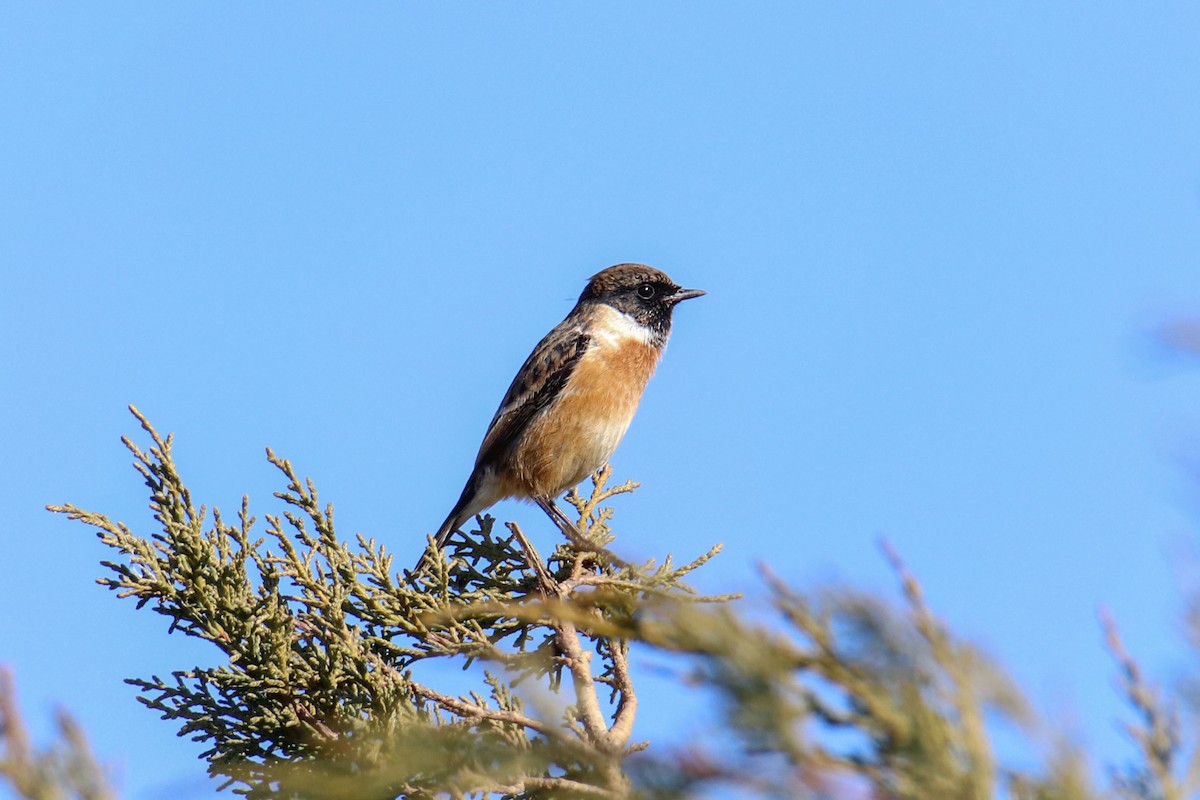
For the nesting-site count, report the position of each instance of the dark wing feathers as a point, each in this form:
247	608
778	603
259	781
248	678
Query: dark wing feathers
538	382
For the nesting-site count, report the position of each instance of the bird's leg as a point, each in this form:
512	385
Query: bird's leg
573	534
569	529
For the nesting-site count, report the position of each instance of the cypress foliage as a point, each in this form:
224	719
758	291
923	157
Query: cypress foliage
323	687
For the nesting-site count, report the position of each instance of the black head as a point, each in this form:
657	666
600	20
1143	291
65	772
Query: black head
642	292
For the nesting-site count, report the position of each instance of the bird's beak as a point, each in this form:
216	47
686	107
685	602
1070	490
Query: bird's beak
685	294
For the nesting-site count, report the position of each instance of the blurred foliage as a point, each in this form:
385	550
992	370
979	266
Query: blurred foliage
67	770
841	694
1182	335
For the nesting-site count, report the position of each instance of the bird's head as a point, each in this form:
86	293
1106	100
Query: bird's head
644	293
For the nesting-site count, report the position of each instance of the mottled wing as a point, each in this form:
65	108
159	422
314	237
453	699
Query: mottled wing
538	382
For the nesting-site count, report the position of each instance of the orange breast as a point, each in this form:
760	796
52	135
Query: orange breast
579	431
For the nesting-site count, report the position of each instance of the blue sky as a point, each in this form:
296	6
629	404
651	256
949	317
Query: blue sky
937	239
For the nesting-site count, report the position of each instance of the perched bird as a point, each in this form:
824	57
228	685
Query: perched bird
574	397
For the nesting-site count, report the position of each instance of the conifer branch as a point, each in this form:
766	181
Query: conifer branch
319	636
316	695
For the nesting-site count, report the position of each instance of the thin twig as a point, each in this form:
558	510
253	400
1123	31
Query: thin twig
474	711
545	582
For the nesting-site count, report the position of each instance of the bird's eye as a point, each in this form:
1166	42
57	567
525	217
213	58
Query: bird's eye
645	291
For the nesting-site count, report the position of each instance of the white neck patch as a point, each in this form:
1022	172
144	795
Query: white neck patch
615	327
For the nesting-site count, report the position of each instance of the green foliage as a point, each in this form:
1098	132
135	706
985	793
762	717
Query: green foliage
320	638
841	695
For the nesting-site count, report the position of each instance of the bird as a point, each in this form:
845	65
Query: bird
573	399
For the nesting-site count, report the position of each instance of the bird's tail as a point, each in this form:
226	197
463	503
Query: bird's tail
463	510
